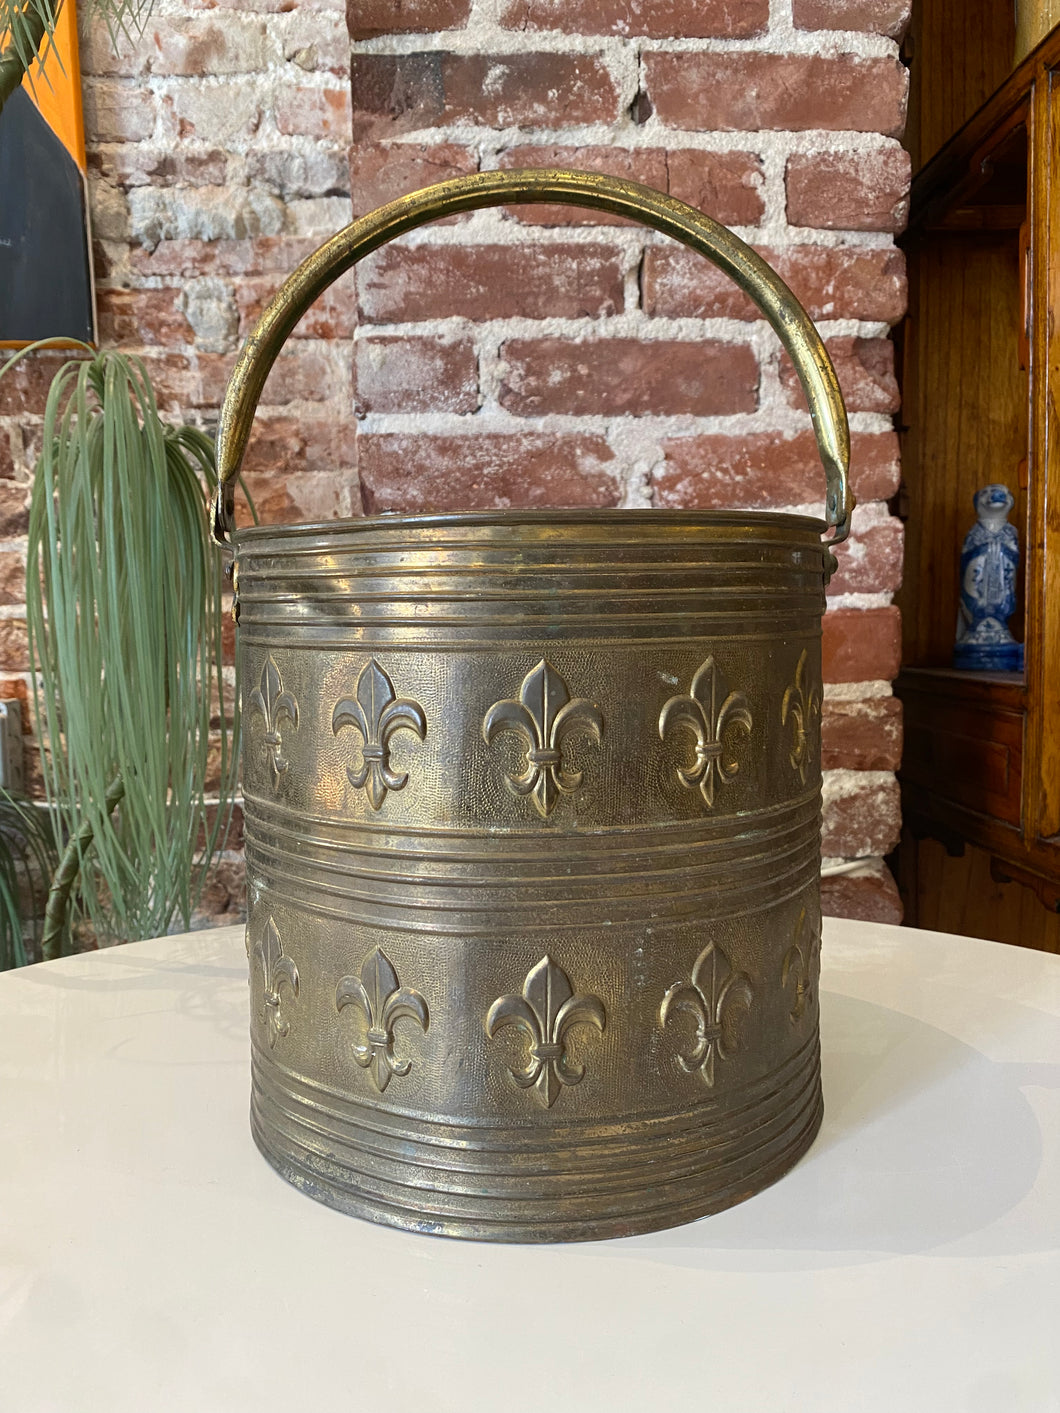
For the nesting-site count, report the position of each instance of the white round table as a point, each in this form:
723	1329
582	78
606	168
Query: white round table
151	1261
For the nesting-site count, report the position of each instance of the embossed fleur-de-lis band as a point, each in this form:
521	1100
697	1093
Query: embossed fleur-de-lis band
716	997
545	717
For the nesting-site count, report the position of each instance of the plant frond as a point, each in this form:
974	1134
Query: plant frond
26	25
124	612
28	857
27	33
124	19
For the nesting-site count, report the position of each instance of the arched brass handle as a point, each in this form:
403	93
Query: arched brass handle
630	199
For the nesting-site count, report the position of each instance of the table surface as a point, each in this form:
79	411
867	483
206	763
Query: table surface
151	1261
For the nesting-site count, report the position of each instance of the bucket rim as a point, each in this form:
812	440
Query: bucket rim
751	520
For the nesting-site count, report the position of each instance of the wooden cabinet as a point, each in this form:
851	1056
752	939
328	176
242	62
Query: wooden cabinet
979	358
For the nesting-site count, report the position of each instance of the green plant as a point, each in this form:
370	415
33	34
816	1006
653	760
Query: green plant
27	27
28	858
123	595
124	612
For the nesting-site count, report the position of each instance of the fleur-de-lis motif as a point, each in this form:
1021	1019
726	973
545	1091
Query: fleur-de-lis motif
377	712
545	1012
716	998
802	702
276	969
802	964
273	705
713	727
384	1001
544	716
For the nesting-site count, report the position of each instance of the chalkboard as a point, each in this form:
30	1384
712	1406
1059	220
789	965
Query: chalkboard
45	266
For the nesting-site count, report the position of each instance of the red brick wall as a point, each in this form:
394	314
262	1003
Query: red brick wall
218	148
539	356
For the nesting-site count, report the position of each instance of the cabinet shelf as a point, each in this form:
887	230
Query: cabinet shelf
976	356
966	162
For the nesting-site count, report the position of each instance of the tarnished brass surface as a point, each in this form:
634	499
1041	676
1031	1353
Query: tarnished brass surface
532	810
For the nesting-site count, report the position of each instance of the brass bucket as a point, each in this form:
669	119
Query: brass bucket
532	811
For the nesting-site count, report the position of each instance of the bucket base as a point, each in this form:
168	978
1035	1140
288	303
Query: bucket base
486	1184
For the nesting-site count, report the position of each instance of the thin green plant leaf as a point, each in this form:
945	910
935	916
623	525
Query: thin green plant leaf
12	946
28	858
26	27
27	35
124	612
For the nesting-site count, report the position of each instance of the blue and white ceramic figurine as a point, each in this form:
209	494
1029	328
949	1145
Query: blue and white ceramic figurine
989	561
